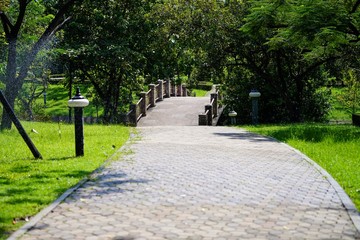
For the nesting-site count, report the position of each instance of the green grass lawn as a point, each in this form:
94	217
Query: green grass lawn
28	185
199	92
338	111
334	147
57	98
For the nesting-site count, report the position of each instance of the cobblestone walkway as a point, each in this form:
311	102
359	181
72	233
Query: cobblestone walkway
202	183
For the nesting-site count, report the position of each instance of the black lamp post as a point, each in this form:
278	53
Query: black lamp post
255	95
78	102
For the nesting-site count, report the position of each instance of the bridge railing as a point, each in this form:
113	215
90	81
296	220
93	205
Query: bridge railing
157	92
212	110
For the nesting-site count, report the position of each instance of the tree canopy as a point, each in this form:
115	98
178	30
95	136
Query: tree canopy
27	26
288	50
110	54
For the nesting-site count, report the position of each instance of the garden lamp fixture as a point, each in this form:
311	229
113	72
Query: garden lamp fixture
78	102
232	114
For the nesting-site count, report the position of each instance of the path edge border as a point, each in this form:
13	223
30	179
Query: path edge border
34	220
348	204
353	213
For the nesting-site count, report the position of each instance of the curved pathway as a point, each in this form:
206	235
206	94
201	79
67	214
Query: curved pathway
190	182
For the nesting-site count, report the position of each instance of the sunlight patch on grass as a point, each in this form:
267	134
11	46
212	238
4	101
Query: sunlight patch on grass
200	92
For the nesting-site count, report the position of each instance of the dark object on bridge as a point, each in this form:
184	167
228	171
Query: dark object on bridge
78	102
19	127
356	119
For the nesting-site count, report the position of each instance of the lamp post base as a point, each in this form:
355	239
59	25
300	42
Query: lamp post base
79	132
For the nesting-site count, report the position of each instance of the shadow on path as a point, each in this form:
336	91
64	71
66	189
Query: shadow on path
246	136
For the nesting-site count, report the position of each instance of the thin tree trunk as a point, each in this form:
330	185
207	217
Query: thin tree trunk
14	82
11	88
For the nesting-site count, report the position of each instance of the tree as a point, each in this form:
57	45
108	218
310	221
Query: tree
184	36
12	21
106	42
350	97
276	66
282	48
325	35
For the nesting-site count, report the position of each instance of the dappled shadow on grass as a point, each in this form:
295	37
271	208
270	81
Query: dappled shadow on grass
39	200
4	232
31	188
26	195
19	190
4	181
20	169
315	133
61	158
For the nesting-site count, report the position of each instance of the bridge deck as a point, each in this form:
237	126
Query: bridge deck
178	111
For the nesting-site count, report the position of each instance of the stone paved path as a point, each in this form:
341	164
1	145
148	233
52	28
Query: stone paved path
188	182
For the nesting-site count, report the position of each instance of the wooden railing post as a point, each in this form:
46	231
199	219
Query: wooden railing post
157	92
203	119
209	110
152	95
143	103
214	99
133	116
184	90
174	90
168	88
214	109
161	90
218	90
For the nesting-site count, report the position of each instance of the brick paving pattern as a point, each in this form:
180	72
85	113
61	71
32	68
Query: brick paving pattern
201	183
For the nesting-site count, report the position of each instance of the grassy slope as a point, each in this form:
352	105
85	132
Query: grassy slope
28	185
200	93
335	148
57	98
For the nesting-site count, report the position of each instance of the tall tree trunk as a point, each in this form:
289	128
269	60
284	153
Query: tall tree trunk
13	80
6	121
12	87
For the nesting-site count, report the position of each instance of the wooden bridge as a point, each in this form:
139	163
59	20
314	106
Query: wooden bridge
166	104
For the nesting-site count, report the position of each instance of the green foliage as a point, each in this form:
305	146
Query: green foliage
321	27
28	185
4	5
282	49
34	24
56	105
28	27
185	38
106	42
350	98
335	148
338	113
